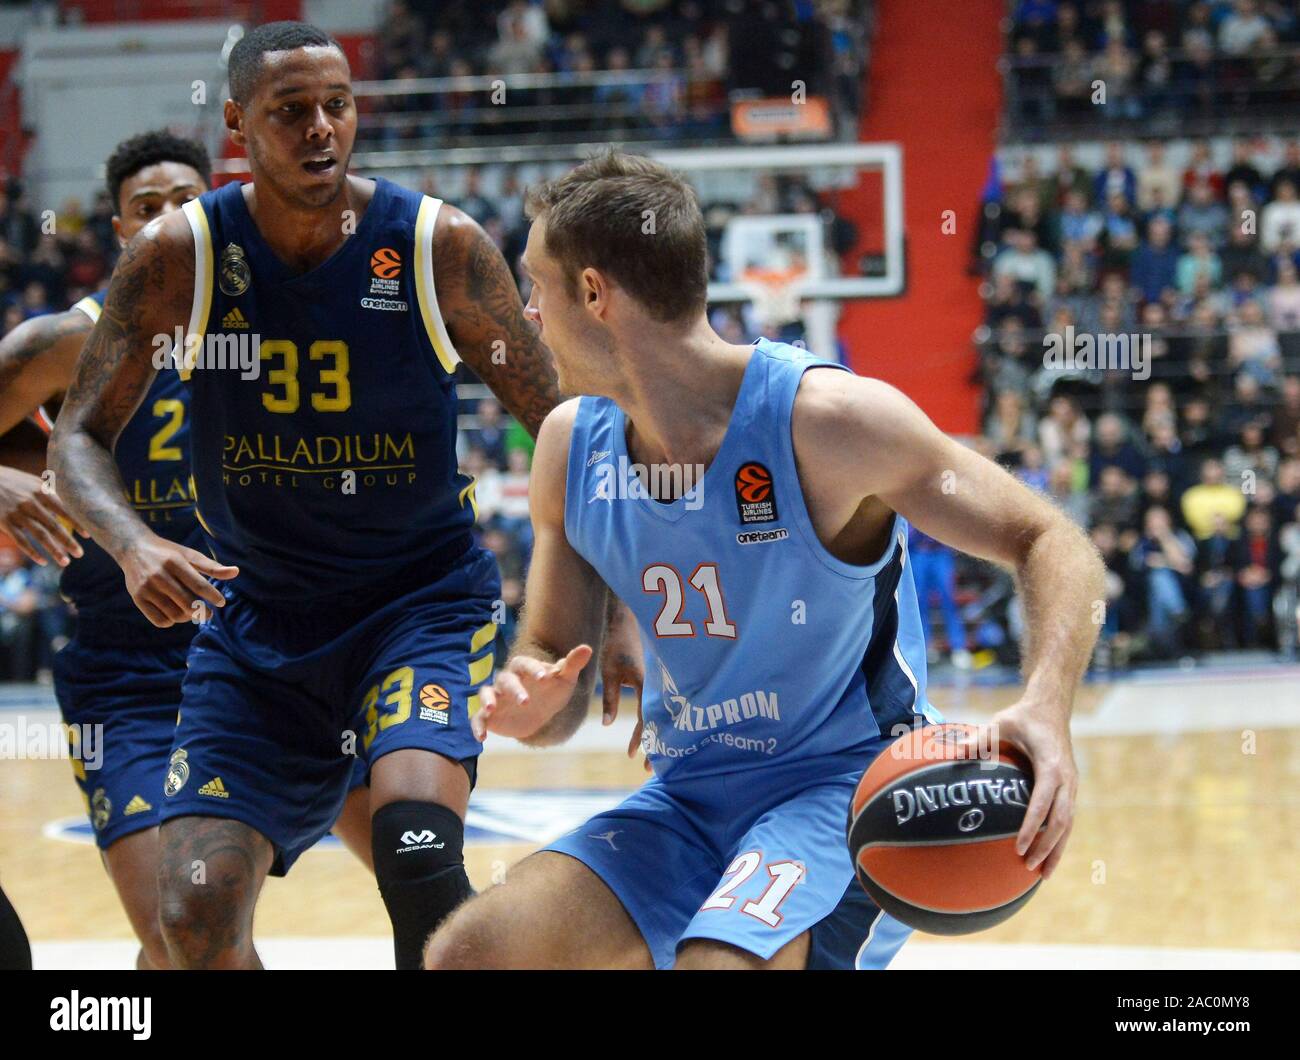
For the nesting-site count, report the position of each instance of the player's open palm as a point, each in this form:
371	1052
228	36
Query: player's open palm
527	694
169	582
31	514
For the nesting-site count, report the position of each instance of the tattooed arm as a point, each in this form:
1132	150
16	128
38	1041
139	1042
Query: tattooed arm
37	360
485	318
150	295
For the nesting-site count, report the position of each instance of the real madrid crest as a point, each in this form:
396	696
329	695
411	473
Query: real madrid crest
178	772
234	276
101	807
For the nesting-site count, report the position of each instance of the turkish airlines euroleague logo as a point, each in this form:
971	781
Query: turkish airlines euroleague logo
386	263
755	497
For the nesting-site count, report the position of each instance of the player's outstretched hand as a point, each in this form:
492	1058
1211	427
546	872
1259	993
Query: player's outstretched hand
528	693
169	582
32	515
1050	815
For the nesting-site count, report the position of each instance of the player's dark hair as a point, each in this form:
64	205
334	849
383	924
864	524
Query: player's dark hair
148	149
246	56
636	221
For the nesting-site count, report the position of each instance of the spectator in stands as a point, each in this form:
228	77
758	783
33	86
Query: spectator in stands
1240	255
1072	80
510	513
1243	168
1289	170
1202	214
1070	176
1115	178
1075	223
1010	426
934	572
1201	170
1199	265
1253	346
19	603
489	434
1061	489
1167	456
1115	499
1106	540
1286	418
1284	296
1279	224
1287	495
1216	584
1251	459
472	200
1111	447
1213	503
1062	427
1024	260
1256	559
664	98
1154	266
1166	558
1243	28
487	483
516	51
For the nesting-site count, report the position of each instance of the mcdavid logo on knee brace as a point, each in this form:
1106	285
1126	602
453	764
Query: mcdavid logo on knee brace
422	840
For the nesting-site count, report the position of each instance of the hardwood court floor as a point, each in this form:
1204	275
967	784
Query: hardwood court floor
1187	832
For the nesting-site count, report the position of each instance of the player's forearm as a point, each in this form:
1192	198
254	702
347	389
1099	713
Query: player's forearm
1062	584
486	317
33	367
91	488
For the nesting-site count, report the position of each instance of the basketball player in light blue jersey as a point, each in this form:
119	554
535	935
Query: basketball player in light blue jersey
773	593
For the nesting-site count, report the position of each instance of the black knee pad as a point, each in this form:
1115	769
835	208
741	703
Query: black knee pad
419	857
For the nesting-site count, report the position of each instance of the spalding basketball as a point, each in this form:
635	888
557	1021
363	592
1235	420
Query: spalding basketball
932	831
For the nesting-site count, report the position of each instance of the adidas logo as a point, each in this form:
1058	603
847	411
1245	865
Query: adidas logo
234	320
136	805
215	788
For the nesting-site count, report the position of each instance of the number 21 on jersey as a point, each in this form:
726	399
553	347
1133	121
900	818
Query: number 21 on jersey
664	578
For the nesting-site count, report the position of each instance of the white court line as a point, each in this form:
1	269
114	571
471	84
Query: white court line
377	953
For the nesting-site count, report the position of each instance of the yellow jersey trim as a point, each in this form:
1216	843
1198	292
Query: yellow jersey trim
484	636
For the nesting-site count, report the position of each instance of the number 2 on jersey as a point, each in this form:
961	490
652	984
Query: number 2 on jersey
662	578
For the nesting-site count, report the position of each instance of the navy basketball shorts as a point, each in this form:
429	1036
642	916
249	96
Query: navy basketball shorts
129	698
278	705
753	858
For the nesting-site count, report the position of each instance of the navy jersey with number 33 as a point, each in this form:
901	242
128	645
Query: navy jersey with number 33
324	405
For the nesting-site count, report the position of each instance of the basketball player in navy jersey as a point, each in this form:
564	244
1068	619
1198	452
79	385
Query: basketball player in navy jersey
324	316
119	671
774	593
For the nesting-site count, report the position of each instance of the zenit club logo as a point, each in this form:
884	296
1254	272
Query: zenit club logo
386	263
755	496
